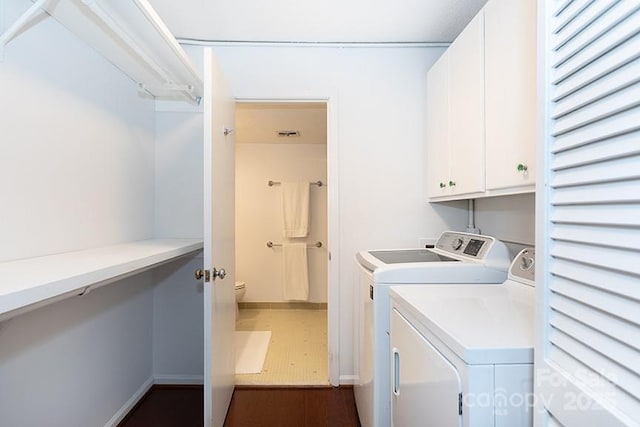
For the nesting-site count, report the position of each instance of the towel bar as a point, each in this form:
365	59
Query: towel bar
272	183
317	244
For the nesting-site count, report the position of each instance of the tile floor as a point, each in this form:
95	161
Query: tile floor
298	349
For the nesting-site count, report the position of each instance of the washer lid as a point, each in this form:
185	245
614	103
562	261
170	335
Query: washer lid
410	255
417	265
490	324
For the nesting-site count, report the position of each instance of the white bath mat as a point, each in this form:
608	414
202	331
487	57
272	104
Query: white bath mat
251	350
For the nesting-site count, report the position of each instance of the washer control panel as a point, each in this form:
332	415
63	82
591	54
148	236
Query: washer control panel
472	245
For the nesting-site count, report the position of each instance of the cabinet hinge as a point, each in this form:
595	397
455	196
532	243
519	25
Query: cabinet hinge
459	403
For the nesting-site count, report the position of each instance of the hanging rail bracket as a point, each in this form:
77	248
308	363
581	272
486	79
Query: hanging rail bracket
19	24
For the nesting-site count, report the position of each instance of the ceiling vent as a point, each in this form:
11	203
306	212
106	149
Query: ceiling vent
288	133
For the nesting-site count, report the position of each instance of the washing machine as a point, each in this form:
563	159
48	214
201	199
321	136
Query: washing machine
455	258
462	356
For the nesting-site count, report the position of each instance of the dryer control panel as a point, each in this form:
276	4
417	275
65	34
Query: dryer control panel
471	245
523	267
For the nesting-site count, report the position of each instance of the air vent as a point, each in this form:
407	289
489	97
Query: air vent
288	133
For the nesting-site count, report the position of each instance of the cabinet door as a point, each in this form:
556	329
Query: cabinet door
467	108
510	55
425	385
438	127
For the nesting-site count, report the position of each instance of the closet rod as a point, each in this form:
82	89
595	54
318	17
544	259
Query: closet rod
317	244
135	46
272	183
154	19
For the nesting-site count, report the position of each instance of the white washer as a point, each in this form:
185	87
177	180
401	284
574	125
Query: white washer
457	258
463	355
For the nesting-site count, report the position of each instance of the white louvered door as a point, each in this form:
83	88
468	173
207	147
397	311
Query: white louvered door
588	214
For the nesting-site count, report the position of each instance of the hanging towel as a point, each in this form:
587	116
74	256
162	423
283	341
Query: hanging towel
296	272
295	208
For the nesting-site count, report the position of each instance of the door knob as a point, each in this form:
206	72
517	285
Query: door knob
219	274
200	273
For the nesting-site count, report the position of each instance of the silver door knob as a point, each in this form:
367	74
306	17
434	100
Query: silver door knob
199	274
219	274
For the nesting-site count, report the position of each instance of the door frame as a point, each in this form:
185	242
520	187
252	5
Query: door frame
333	219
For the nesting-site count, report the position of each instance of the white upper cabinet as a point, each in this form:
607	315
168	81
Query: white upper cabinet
466	108
488	99
438	128
510	85
455	116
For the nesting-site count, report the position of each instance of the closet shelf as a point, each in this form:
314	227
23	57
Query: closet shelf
131	35
33	282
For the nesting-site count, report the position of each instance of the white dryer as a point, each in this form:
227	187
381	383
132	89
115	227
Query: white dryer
456	258
463	355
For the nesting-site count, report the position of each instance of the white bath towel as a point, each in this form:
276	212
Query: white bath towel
295	208
296	272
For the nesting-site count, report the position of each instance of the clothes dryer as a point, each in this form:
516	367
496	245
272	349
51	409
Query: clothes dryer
463	355
456	258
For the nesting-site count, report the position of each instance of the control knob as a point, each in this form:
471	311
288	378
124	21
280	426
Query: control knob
526	263
457	244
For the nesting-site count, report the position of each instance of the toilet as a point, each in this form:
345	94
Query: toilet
240	289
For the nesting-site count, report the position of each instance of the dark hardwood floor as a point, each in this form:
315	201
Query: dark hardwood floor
181	406
326	406
168	406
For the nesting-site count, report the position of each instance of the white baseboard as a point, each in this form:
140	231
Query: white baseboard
129	404
178	379
347	379
157	379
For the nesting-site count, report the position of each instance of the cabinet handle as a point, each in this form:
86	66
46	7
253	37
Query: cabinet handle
522	167
452	183
442	185
396	372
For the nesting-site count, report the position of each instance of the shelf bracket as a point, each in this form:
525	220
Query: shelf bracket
23	20
185	90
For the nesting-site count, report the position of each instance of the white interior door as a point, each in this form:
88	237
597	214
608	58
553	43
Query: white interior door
219	243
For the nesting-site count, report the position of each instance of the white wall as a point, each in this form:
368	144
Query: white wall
509	218
259	216
76	171
75	363
178	309
381	100
179	174
178	322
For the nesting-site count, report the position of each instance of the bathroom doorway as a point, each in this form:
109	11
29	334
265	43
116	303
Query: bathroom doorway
277	143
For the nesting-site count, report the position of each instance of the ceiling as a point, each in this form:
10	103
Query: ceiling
366	21
259	123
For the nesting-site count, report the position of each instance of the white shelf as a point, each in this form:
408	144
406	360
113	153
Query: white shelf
30	283
131	36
